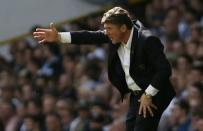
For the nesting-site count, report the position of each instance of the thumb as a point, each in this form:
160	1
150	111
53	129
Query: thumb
52	26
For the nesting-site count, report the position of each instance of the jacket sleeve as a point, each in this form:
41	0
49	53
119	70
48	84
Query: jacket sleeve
158	62
88	37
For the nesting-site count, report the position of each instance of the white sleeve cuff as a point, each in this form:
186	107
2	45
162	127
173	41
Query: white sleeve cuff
151	90
65	37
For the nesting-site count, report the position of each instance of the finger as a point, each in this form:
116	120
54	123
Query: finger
42	30
150	111
139	100
144	111
155	107
39	33
42	41
52	26
140	109
38	37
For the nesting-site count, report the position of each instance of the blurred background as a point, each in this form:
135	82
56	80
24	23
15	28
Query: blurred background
60	87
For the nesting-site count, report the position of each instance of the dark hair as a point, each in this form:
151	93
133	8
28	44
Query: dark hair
117	16
34	118
183	104
186	57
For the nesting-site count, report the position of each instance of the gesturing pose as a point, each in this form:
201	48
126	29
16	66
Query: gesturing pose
136	64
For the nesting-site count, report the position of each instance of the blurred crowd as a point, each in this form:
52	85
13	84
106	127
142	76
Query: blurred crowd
64	87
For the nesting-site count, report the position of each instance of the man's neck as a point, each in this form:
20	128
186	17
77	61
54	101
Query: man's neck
126	36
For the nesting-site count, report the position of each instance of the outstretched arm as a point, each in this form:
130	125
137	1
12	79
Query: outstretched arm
77	37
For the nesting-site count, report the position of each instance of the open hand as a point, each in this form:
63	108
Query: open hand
146	105
46	35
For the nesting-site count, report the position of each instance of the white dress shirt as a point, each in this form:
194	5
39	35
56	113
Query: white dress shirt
124	55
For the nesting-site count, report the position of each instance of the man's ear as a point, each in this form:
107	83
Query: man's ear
123	28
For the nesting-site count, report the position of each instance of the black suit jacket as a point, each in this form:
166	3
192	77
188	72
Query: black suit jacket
148	64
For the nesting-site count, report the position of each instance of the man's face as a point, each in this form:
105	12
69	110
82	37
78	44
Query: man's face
114	32
194	97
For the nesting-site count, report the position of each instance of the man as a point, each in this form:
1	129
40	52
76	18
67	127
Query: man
136	64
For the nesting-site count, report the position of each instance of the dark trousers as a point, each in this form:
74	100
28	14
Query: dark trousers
136	122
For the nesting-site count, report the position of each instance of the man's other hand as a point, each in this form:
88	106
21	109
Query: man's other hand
146	105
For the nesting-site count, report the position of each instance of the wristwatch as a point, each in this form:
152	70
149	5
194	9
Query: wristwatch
148	95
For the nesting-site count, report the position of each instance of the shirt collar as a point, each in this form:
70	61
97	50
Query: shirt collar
128	45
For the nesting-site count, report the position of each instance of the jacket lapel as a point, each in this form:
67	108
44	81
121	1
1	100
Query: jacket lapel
134	45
